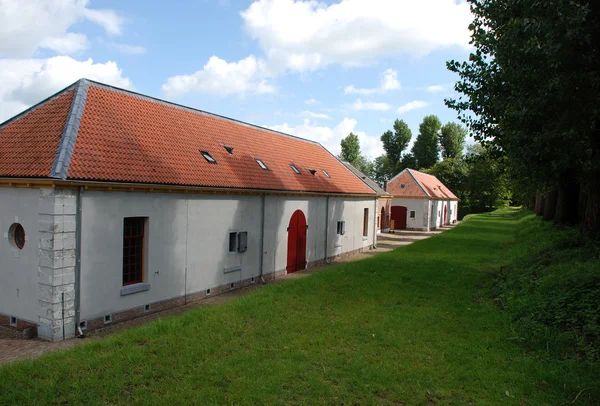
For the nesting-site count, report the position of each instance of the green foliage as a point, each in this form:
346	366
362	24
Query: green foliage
426	148
487	185
383	169
452	140
551	289
395	143
405	327
454	173
350	149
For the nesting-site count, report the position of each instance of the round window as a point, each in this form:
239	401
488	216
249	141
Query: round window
16	235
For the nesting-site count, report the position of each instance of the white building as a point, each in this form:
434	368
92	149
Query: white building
114	204
421	202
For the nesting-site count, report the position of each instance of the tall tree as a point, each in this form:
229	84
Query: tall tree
350	149
530	90
394	143
452	140
426	148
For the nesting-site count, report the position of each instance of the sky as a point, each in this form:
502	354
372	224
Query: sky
318	70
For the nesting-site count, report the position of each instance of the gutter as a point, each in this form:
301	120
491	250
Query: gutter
78	212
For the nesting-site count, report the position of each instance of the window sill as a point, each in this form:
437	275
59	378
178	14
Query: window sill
232	269
131	289
365	238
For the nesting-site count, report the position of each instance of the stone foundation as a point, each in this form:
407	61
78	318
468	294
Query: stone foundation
21	324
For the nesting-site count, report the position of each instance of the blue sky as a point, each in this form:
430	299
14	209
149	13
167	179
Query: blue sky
317	70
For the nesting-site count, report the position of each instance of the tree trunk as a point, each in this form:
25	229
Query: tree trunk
550	206
567	202
542	205
590	222
538	202
531	201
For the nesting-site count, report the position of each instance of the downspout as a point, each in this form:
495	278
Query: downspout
262	236
327	261
374	217
78	213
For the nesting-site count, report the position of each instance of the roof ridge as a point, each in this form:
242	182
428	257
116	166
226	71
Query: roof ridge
37	105
66	146
418	183
194	110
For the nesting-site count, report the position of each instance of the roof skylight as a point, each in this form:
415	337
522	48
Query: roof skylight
295	169
208	157
261	164
325	172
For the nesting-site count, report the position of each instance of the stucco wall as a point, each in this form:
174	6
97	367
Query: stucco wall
386	204
187	241
453	207
19	268
420	206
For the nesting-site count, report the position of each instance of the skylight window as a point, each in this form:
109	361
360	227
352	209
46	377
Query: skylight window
325	172
402	186
261	164
208	157
295	169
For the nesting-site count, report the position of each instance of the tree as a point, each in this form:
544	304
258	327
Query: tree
530	91
452	140
394	143
426	149
454	174
383	169
350	149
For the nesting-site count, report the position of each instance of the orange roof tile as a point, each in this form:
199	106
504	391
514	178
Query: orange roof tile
122	136
419	184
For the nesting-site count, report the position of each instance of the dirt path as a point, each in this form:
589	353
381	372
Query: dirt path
13	347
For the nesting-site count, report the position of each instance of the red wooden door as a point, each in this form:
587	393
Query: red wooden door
445	214
399	216
296	258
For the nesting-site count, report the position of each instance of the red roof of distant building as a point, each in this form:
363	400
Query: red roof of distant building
92	131
411	183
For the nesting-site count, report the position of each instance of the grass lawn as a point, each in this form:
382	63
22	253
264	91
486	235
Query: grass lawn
413	326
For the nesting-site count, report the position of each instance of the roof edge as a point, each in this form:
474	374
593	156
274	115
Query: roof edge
35	106
399	173
418	183
66	146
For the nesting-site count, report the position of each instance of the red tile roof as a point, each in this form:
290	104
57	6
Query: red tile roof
419	184
127	137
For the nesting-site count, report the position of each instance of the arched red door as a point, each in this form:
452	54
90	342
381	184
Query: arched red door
399	217
445	214
296	258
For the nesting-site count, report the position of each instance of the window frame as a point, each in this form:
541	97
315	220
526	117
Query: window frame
233	234
132	277
209	158
295	169
262	165
341	227
326	173
412	214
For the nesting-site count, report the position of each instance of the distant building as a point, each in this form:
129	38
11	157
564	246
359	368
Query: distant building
114	205
384	199
421	202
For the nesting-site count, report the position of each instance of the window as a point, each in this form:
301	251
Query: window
366	223
133	250
402	186
208	157
233	242
341	227
295	169
16	235
325	172
261	164
413	214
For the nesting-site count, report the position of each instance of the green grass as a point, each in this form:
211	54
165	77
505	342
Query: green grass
414	326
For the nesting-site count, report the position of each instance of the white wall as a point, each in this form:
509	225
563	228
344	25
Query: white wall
453	207
191	232
19	268
437	213
420	206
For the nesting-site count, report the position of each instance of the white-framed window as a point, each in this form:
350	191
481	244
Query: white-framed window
238	241
341	227
413	214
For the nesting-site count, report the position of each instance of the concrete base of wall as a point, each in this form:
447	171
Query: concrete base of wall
162	305
21	324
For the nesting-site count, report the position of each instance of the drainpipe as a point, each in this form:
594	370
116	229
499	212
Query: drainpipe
374	217
262	235
327	261
78	213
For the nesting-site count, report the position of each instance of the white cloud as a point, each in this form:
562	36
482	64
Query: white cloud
360	105
37	24
305	35
389	81
311	101
219	77
436	88
310	114
129	49
330	137
25	82
413	105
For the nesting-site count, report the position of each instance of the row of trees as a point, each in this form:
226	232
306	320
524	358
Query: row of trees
478	178
433	140
530	93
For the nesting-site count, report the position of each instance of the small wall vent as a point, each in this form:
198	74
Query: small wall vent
108	319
